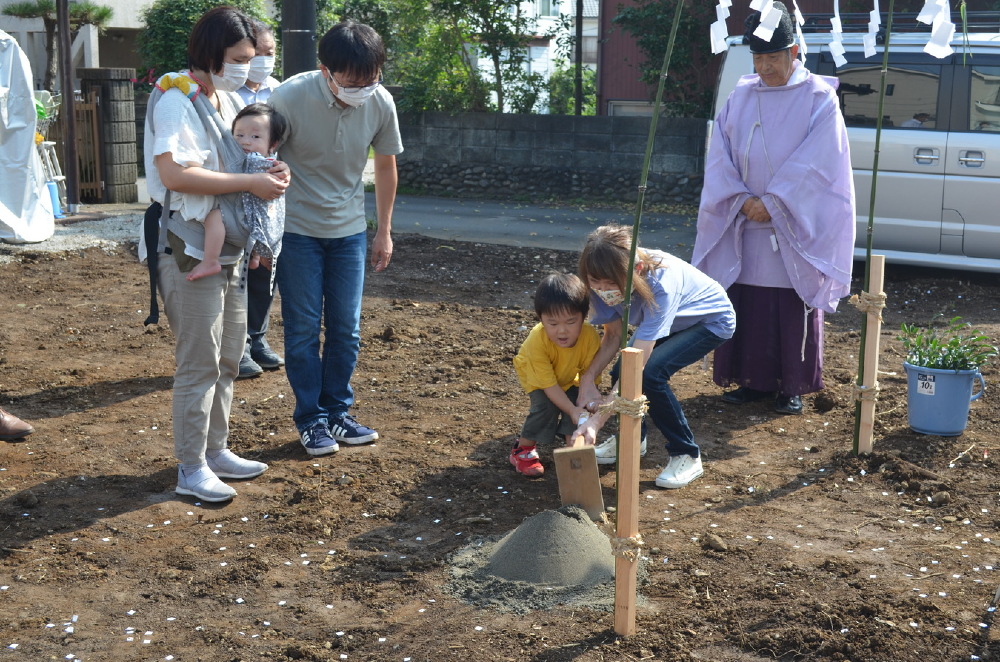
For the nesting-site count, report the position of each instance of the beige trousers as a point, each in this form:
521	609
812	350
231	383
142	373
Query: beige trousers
208	318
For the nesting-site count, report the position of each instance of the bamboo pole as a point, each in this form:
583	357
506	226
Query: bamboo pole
869	378
629	433
863	351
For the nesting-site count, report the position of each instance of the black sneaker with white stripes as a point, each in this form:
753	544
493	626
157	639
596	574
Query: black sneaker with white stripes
346	430
317	441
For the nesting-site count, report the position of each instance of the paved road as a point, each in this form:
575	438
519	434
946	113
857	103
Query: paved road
520	224
453	219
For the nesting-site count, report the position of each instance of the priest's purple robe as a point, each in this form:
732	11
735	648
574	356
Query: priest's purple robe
786	145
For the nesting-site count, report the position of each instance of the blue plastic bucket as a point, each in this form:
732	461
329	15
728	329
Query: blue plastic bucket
937	401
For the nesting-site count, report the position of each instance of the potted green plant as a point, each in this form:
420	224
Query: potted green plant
942	365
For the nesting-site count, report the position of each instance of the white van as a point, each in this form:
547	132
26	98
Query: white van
938	189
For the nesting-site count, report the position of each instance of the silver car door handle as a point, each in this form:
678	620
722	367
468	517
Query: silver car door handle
925	155
972	159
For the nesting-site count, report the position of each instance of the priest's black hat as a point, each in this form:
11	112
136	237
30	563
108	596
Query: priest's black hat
783	37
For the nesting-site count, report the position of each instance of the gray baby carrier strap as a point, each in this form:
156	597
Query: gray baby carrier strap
231	156
159	219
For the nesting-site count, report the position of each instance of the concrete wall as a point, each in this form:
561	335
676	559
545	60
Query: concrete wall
540	156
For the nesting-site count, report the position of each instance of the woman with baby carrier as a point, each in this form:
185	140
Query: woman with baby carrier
186	174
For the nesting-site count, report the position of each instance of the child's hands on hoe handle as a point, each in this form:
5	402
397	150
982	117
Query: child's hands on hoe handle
590	397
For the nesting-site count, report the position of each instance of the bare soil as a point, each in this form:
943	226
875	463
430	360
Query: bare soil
790	547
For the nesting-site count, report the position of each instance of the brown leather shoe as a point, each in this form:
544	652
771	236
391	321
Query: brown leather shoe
12	427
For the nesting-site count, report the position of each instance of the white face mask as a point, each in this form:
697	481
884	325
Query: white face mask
356	95
610	297
233	77
261	67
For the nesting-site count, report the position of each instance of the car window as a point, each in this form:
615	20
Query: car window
911	95
984	99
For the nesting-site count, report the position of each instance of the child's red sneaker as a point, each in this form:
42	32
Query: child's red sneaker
525	460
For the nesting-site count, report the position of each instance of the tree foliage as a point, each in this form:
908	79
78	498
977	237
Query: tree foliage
82	13
688	89
562	90
501	32
439	72
433	50
163	44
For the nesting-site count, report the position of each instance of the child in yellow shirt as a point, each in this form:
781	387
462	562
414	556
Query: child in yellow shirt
549	364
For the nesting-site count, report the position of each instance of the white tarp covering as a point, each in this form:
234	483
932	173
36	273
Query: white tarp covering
25	205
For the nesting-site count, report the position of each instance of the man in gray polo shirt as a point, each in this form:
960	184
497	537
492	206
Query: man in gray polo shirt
334	114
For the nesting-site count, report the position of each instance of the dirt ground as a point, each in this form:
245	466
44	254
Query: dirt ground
816	555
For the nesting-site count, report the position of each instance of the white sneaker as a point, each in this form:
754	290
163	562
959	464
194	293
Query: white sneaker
606	452
680	470
204	484
228	464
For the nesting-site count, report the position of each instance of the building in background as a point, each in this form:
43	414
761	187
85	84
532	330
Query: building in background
115	48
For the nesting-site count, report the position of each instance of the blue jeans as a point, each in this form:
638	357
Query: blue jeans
670	355
321	281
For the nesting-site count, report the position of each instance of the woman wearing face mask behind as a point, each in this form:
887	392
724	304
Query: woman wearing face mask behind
258	355
679	315
207	315
260	83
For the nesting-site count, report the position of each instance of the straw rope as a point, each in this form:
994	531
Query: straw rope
869	303
635	408
626	548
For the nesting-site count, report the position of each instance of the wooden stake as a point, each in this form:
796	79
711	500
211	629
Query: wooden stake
629	433
869	377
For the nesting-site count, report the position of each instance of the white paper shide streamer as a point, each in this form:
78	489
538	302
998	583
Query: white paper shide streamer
937	14
769	19
836	36
868	39
719	31
799	22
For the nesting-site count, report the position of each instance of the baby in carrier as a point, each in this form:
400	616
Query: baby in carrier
258	129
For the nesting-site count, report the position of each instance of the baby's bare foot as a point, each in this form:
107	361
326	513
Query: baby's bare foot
205	268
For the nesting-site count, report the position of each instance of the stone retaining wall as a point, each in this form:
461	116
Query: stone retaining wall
500	156
537	157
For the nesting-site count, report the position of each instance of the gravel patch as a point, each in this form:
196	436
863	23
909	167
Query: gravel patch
106	232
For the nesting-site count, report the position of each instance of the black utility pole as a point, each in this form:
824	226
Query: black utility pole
578	74
70	167
298	37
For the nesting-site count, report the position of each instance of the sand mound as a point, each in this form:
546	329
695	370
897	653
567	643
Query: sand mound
557	557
